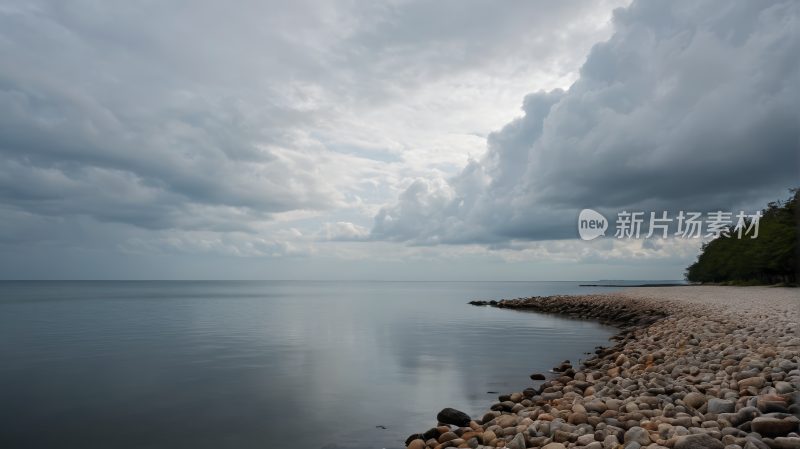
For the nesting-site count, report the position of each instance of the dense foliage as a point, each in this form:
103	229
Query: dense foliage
770	258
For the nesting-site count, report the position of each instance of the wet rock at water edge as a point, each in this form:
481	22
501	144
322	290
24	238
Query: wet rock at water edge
454	417
537	377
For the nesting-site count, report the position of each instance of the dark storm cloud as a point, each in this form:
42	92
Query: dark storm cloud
688	105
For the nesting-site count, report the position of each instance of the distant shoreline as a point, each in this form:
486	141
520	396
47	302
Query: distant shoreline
643	285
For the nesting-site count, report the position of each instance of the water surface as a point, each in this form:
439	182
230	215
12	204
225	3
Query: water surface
264	364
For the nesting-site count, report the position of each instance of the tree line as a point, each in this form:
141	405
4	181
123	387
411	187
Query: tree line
768	259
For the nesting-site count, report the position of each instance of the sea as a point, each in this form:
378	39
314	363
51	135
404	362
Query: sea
268	364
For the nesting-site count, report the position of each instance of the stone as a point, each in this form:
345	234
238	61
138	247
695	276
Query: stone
552	396
695	400
473	443
597	407
702	441
488	436
784	387
537	377
774	426
721	406
585	440
417	444
610	441
649	426
786	443
507	421
466	435
771	407
554	446
431	434
447	436
578	418
517	443
454	417
787	365
416	436
638	435
756	382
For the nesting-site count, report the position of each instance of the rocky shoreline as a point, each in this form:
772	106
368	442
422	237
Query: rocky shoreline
693	367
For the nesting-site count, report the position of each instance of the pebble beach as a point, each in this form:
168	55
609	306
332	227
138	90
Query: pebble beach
691	367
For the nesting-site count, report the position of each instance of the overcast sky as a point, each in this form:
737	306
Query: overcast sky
449	140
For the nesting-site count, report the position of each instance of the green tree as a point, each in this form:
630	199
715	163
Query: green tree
770	258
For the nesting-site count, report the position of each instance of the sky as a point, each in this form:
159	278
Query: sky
384	140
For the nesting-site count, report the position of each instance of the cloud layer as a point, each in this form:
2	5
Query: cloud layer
688	105
383	130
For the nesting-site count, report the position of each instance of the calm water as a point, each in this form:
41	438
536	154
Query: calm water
264	364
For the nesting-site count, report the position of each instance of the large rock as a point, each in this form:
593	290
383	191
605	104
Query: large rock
638	435
454	417
718	406
774	426
703	441
695	400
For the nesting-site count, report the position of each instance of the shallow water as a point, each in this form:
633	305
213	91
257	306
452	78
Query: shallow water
265	364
